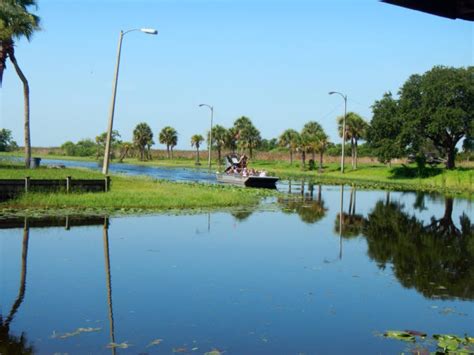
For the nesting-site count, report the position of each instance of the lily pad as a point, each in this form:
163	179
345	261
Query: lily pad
123	345
155	342
399	335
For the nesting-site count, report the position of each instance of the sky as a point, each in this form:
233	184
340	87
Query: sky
273	61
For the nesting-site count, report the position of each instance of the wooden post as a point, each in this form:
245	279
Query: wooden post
68	184
107	183
27	184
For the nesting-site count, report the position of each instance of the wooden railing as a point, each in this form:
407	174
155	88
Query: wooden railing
12	187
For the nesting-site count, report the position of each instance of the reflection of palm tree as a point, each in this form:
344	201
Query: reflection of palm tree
309	210
10	344
435	260
351	224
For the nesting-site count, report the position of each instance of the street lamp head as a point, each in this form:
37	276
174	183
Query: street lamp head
331	92
201	105
150	31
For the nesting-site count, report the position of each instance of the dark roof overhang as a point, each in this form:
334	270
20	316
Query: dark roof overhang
453	9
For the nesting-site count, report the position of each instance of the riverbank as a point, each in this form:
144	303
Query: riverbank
128	194
367	175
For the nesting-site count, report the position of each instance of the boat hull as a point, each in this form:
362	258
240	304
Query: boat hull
268	182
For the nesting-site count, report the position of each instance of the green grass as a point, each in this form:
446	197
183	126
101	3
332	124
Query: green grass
132	194
372	175
460	180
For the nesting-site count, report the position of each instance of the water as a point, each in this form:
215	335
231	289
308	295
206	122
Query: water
288	276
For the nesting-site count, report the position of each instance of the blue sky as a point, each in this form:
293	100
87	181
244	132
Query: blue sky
273	61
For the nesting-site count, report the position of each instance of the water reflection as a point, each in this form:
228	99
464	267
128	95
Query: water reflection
436	258
309	209
246	288
349	224
9	343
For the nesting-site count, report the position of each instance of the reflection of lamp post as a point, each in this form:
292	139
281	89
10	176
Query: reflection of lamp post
150	31
109	283
343	127
341	221
210	132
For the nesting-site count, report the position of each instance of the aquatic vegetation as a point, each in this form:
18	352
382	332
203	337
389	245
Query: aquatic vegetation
74	333
123	345
155	342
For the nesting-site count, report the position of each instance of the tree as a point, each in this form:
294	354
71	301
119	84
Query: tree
384	130
219	135
142	138
196	141
169	136
101	141
248	136
6	140
231	139
125	147
438	106
356	129
16	22
289	139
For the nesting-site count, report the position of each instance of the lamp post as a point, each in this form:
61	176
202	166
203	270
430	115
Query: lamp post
343	127
210	132
150	31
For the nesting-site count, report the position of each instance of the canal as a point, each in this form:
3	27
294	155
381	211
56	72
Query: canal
323	270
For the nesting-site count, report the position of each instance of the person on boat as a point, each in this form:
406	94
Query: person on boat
244	172
243	161
263	173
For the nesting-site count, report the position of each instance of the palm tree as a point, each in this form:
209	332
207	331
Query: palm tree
16	22
356	129
219	135
320	147
169	136
312	132
289	139
231	139
248	136
196	141
142	137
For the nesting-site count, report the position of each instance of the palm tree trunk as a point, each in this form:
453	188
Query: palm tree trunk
321	161
197	152
171	152
26	97
352	153
168	151
303	158
291	156
355	153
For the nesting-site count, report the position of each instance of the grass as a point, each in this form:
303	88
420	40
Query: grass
128	194
370	175
401	177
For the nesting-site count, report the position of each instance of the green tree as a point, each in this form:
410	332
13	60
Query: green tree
196	141
438	106
384	130
248	136
219	135
169	137
142	138
101	141
289	139
6	140
231	139
16	22
356	129
316	140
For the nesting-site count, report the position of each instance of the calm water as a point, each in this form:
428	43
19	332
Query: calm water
289	276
